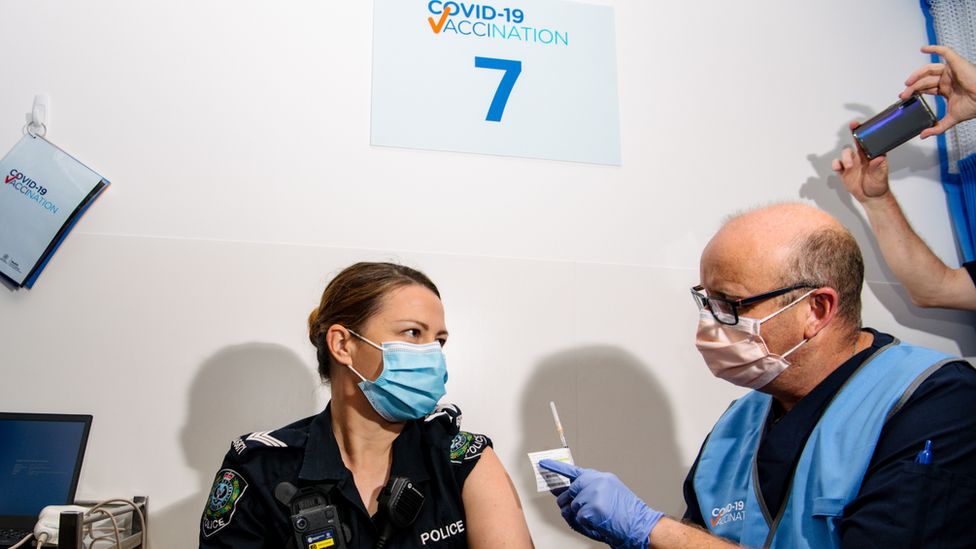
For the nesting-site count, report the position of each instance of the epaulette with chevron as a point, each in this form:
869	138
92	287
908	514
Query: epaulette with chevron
258	439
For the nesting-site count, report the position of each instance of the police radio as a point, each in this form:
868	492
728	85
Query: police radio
400	504
314	520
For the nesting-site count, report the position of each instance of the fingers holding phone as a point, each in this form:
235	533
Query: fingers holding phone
864	178
955	80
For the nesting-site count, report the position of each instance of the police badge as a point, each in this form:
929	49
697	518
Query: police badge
228	488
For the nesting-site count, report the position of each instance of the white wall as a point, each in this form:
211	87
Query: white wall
236	138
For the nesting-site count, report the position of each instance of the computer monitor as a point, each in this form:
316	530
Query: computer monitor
40	462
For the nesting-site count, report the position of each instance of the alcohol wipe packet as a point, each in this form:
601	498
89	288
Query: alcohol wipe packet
547	480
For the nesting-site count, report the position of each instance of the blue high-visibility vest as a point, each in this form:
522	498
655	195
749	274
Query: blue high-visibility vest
831	466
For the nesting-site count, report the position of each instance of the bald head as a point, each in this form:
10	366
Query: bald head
772	228
787	215
783	245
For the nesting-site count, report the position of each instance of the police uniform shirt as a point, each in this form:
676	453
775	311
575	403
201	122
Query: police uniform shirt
901	503
243	513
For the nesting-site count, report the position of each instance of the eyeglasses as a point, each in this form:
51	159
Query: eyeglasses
726	311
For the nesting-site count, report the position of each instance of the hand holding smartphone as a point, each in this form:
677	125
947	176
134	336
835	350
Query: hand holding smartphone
893	126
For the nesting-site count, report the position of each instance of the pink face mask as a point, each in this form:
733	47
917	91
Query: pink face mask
738	353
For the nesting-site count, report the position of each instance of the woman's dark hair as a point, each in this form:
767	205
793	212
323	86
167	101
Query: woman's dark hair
355	295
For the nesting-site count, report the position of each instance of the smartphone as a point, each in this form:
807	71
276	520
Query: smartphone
894	126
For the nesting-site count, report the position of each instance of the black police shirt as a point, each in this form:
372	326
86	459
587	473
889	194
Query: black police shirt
242	511
901	503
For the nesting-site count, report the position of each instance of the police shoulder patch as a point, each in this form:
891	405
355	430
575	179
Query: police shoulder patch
228	489
467	446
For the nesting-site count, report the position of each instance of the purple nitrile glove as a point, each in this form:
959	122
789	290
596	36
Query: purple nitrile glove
599	506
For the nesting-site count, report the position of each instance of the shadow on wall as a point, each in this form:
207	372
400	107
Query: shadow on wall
8	285
240	389
616	417
828	192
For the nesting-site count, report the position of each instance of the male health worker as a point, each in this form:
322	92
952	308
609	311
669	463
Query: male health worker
849	437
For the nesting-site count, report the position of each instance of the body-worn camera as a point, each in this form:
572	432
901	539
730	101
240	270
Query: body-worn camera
314	520
894	126
318	528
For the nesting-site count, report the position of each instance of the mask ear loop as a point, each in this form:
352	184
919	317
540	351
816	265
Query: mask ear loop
367	341
795	347
799	299
802	341
351	331
357	373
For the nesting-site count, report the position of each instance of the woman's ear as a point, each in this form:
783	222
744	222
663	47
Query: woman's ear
338	340
823	308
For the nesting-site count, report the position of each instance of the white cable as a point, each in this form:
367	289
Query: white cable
47	526
101	532
40	540
115	524
144	534
95	538
106	539
23	541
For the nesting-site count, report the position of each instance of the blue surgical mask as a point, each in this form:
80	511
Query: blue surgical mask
412	381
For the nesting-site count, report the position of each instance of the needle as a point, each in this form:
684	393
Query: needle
559	425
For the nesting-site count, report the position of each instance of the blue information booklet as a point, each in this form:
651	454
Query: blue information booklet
44	192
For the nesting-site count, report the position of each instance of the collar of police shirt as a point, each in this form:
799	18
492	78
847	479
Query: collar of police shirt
323	461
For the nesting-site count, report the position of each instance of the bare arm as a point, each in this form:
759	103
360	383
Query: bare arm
670	533
492	508
929	282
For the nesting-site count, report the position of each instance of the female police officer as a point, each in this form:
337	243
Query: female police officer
319	482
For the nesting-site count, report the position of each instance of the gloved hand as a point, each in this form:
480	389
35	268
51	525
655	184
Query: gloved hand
599	506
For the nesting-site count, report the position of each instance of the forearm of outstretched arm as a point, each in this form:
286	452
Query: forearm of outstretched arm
672	534
928	280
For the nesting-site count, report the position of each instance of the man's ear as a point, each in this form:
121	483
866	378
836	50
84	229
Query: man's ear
338	340
823	309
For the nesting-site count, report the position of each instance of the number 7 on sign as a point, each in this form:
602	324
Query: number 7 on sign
512	71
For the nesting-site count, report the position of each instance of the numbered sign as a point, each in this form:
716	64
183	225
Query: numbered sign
533	78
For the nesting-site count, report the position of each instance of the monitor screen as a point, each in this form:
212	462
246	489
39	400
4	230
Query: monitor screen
40	459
